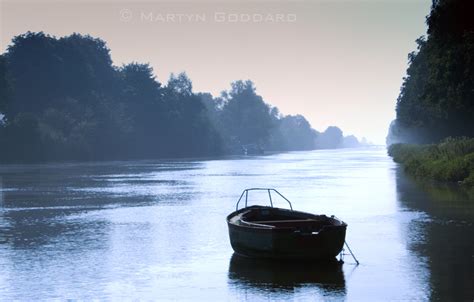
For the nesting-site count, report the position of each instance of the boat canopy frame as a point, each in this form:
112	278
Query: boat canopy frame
269	190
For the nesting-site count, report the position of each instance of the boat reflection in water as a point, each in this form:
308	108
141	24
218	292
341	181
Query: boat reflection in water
265	274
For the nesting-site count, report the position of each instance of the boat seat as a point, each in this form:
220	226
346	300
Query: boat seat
295	223
284	221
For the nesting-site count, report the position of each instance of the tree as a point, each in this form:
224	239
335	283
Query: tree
63	99
350	141
142	95
295	133
330	139
180	84
245	115
436	96
4	86
191	133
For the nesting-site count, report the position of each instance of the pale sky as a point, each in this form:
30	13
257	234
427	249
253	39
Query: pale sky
336	62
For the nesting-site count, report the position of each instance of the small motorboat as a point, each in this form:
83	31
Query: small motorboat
270	232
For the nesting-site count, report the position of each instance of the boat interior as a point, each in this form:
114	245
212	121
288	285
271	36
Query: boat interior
287	219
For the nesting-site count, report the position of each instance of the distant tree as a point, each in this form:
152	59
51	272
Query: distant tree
294	133
245	115
350	141
331	138
190	129
21	138
140	83
213	108
144	121
75	66
4	86
63	99
241	117
180	84
71	94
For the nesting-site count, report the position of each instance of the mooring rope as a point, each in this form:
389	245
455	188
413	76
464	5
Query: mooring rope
352	254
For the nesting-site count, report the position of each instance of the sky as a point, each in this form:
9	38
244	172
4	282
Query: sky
337	62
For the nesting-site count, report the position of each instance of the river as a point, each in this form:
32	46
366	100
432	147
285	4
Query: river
156	230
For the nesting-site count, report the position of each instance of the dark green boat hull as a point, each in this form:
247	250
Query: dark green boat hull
286	243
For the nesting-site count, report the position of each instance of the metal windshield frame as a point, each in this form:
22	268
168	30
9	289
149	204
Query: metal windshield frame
269	190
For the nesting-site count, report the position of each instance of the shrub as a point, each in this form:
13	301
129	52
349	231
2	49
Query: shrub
451	160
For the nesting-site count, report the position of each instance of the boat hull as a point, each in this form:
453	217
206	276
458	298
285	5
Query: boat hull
285	242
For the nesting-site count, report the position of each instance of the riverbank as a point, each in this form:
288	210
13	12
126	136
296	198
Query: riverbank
449	161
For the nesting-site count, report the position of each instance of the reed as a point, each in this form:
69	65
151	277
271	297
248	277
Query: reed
452	160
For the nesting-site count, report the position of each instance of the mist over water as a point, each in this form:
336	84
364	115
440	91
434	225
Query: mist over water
156	230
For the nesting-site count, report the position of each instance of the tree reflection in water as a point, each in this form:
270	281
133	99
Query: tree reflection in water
446	239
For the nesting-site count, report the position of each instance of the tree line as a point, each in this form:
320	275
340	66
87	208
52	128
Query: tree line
437	95
63	99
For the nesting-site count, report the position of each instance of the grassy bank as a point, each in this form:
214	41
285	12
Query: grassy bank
449	161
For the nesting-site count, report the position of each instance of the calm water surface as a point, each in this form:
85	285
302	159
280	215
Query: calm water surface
156	230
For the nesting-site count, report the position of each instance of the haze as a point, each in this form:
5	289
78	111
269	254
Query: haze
336	62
